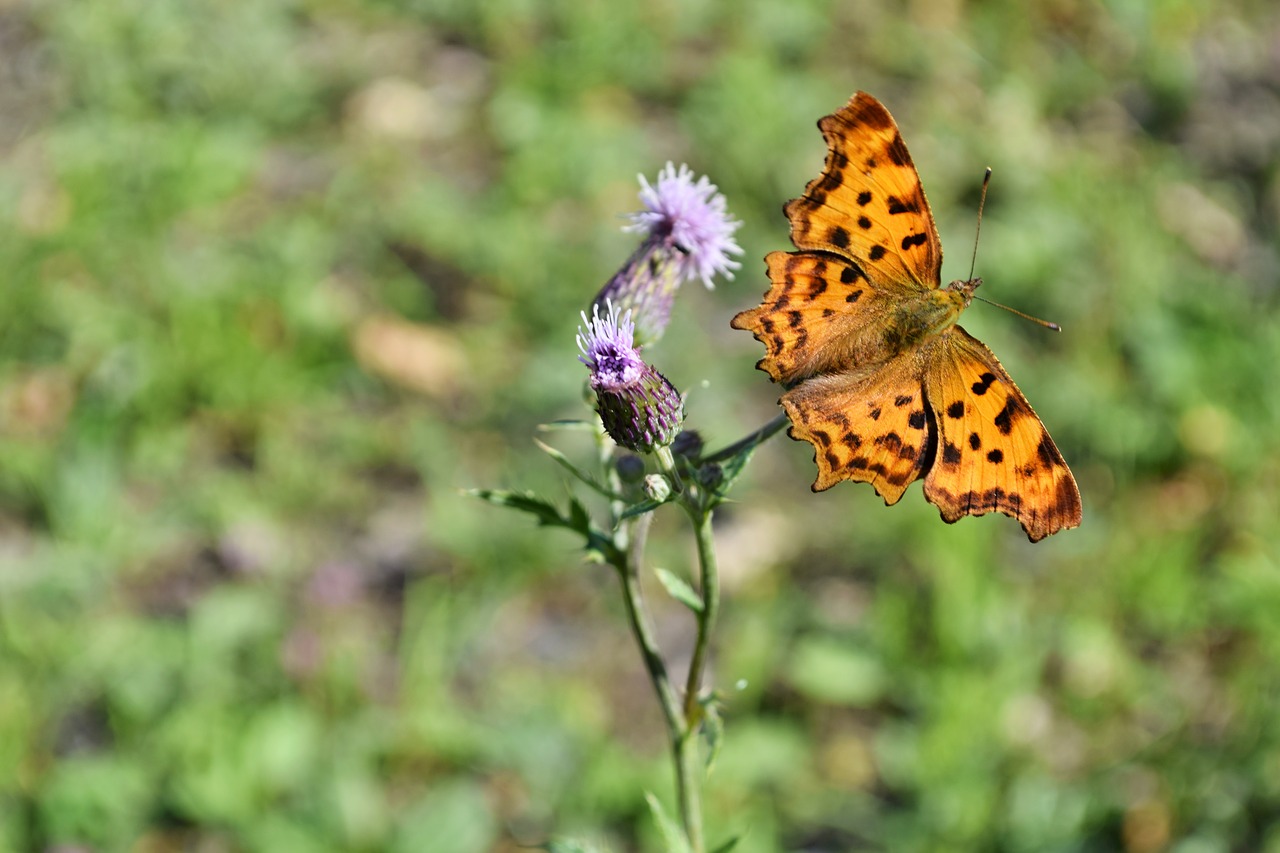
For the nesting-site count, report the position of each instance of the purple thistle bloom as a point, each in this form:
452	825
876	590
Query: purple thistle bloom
639	408
688	235
691	217
608	349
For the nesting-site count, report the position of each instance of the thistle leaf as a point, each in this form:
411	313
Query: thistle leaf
679	589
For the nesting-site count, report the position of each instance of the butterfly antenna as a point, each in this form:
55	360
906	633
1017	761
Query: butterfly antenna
1036	320
982	202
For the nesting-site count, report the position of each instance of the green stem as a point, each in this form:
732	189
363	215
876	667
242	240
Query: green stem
683	739
667	463
752	438
688	756
707	616
689	777
633	598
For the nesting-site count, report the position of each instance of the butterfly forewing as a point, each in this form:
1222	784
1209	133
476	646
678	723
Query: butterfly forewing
993	453
821	314
868	204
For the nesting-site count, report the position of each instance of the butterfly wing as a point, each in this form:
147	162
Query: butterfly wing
868	204
821	314
867	425
992	453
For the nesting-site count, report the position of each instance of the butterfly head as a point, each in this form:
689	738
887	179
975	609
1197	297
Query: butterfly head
965	288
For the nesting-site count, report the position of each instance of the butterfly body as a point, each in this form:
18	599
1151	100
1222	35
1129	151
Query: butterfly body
912	323
880	378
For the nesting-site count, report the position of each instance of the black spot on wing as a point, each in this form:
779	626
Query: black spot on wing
898	151
1004	419
831	181
950	454
864	198
877	252
917	419
839	237
896	205
890	441
913	240
955	411
975	442
984	382
1050	458
996	455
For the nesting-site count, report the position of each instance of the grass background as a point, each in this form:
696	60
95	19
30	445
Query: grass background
280	278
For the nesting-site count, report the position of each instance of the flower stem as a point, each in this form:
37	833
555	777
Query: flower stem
633	598
667	462
688	764
706	617
751	438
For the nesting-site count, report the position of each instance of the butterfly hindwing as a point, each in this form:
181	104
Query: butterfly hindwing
869	426
868	204
993	452
820	314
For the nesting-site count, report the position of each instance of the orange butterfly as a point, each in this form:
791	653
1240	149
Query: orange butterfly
880	378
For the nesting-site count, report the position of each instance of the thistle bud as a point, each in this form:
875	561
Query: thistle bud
630	468
657	488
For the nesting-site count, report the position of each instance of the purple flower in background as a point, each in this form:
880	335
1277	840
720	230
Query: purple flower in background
639	408
688	235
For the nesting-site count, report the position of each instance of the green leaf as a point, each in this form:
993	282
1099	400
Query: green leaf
733	463
598	544
679	589
541	508
569	425
673	837
579	519
712	729
640	509
586	478
733	467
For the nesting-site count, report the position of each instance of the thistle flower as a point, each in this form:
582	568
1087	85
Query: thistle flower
639	408
688	235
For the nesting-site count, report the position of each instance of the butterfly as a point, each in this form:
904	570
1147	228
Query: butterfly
880	379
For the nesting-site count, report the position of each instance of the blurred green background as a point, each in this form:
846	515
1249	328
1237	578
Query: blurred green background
281	278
